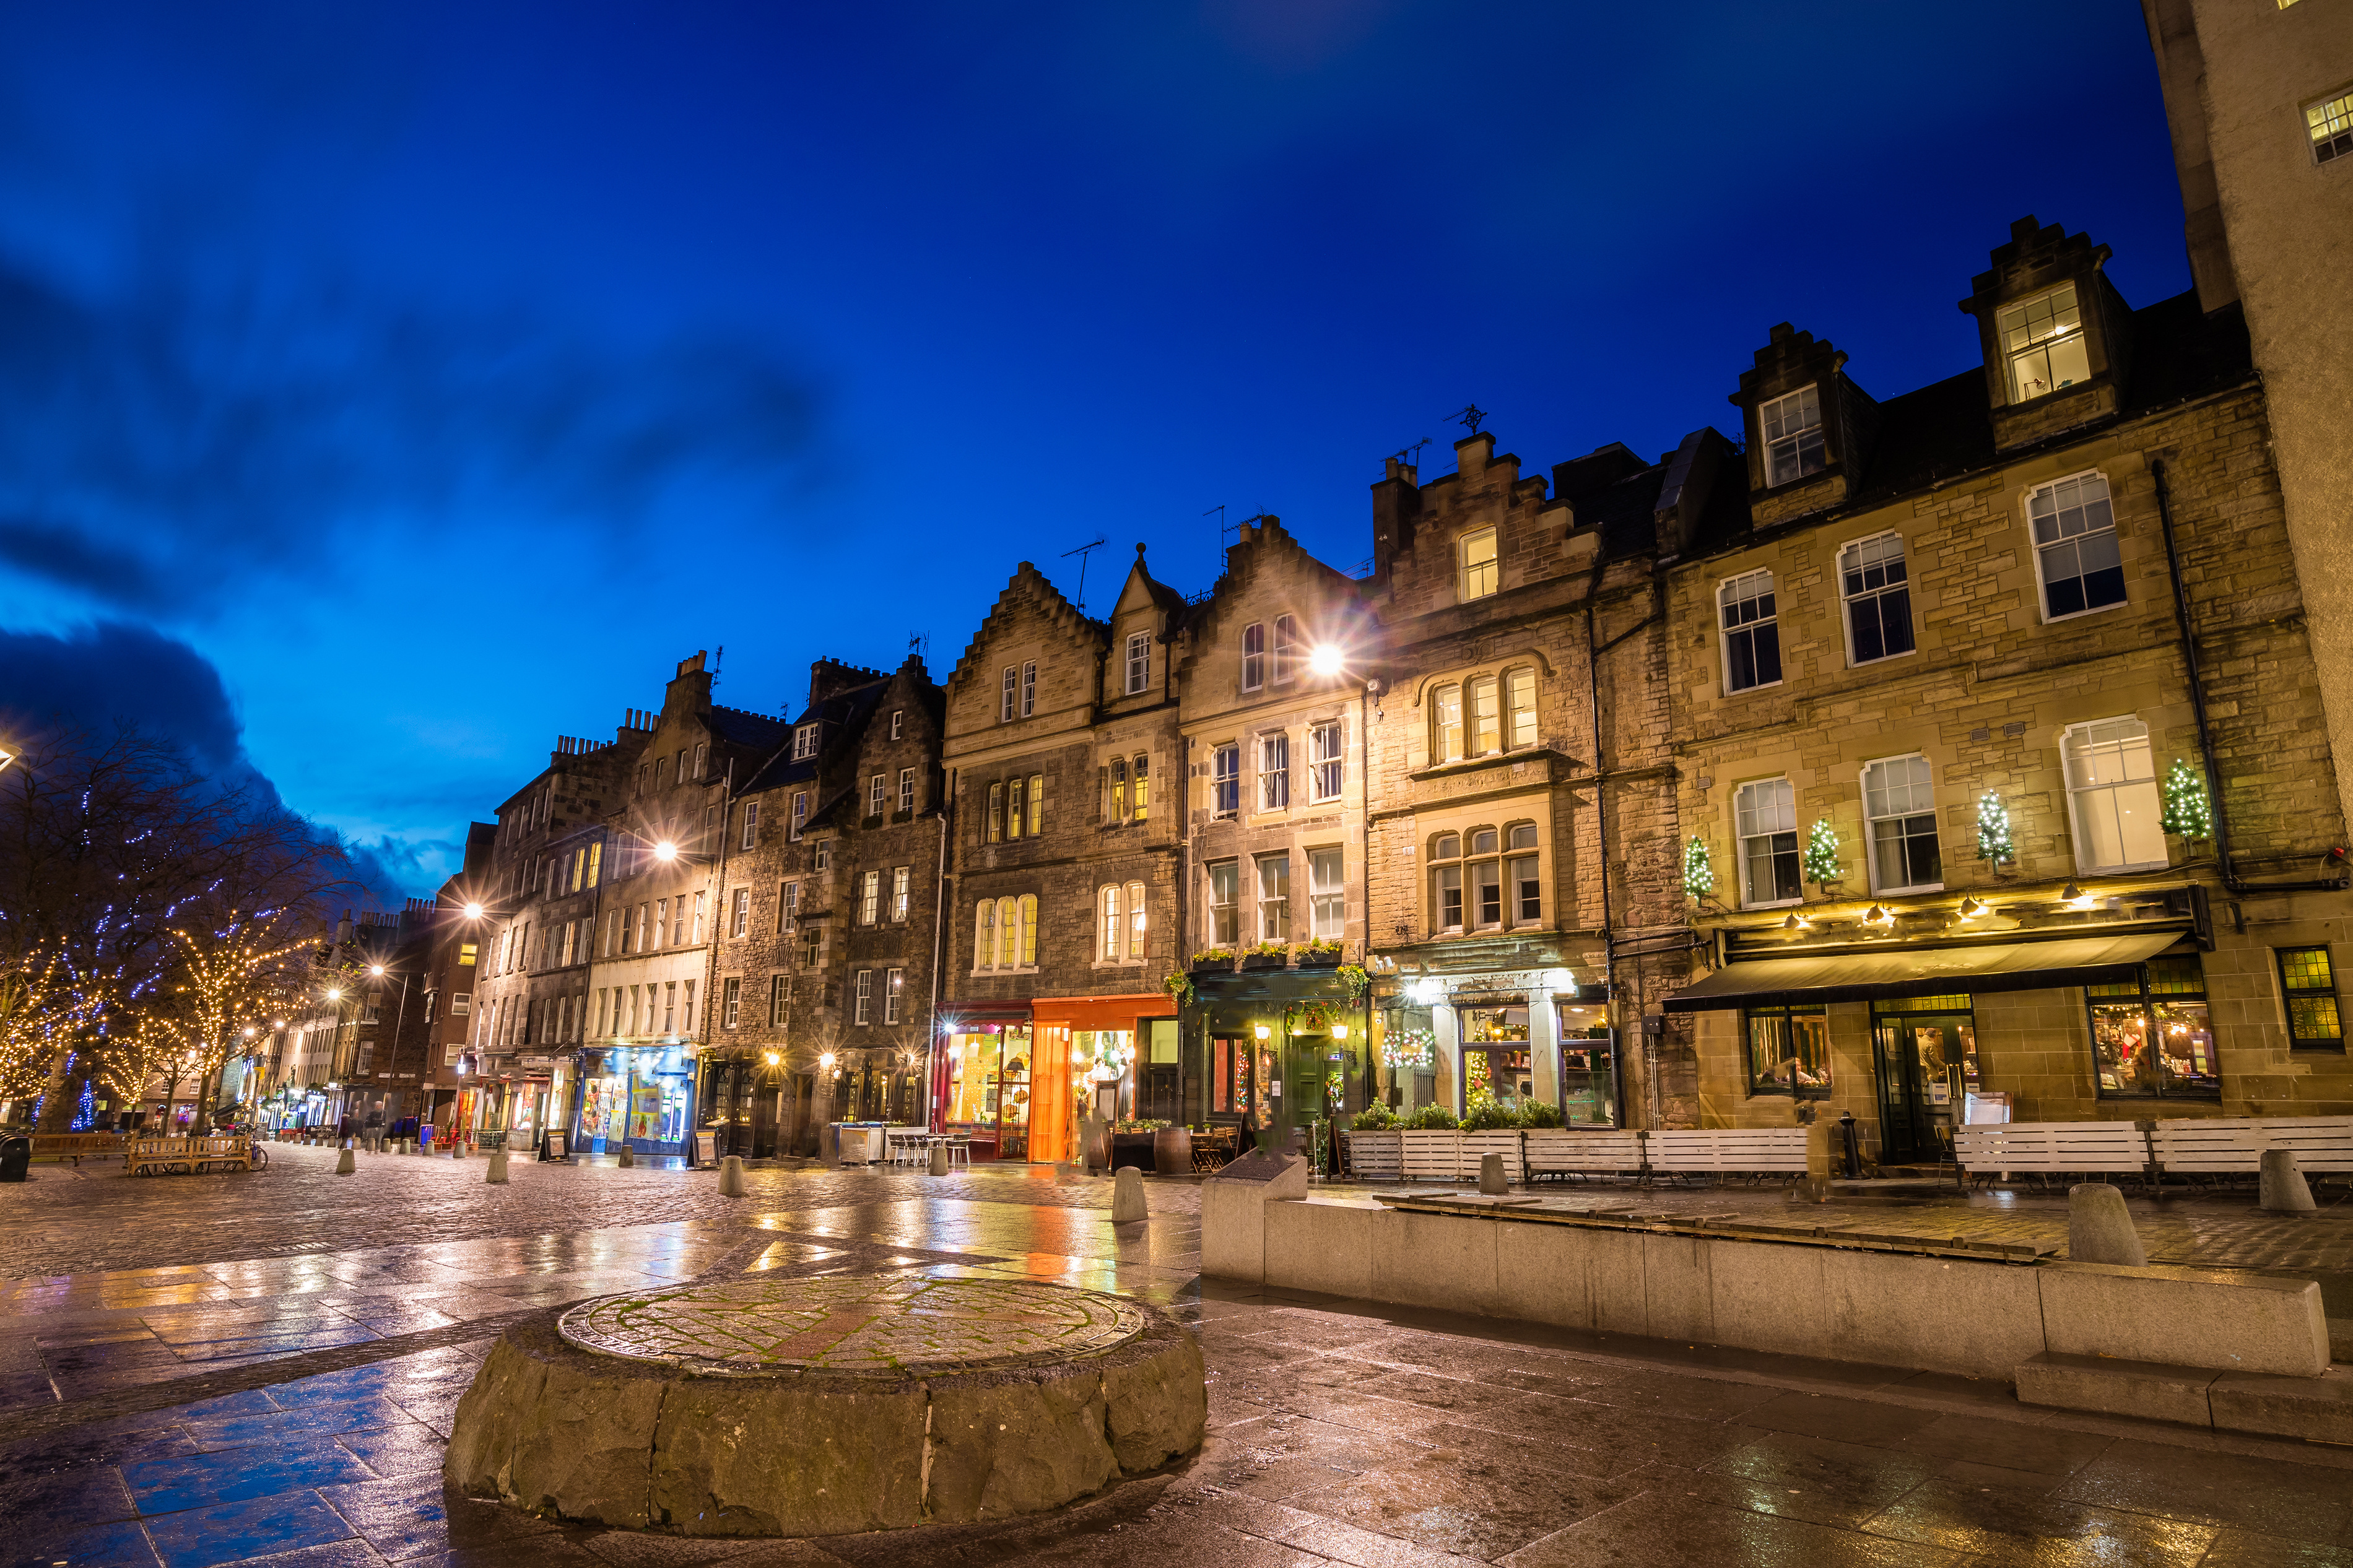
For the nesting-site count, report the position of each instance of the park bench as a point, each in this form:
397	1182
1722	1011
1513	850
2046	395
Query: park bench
1752	1152
77	1146
2233	1146
183	1156
2043	1150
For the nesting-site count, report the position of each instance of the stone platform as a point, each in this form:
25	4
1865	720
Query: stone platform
788	1407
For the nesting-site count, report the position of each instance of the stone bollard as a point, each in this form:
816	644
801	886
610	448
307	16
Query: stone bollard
457	1148
1490	1174
731	1177
628	1158
1127	1204
2099	1228
496	1176
2283	1189
346	1161
939	1160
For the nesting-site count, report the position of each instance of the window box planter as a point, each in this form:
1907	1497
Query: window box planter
1377	1156
1327	958
1172	1150
1213	966
1253	963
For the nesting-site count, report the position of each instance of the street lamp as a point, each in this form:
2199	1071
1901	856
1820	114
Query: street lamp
472	912
664	850
1325	659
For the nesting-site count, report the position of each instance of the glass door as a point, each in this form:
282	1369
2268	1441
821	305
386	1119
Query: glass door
1926	1052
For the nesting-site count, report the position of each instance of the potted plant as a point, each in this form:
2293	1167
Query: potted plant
1266	956
1214	961
1429	1144
1322	955
1376	1144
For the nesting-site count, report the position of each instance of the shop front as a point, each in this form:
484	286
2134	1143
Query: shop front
1519	1037
642	1095
986	1087
1119	1055
1270	1055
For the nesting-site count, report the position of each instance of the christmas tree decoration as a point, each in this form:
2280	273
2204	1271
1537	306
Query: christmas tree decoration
1993	830
1822	860
2188	814
1699	872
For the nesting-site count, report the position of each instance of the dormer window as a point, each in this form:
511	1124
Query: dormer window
2042	338
805	743
1478	568
2330	122
1139	661
1793	436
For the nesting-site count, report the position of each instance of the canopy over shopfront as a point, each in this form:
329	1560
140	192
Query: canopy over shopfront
1890	973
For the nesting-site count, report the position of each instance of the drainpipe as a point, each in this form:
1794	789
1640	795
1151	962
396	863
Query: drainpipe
2231	878
932	1118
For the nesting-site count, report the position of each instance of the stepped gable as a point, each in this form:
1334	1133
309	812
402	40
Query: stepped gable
1028	588
1264	546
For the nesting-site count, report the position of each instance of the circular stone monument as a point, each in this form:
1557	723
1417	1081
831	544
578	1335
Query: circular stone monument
767	1407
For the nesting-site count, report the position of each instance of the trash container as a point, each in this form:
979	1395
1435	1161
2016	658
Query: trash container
15	1157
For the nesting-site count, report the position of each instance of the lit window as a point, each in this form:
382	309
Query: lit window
1878	596
1225	887
865	997
1117	776
2330	122
739	913
2111	796
1327	897
996	812
1136	922
2075	546
467	953
805	743
1274	772
1326	765
1768	815
1027	915
1486	722
1788	1051
1523	685
870	898
1141	802
1016	816
1752	633
1274	898
906	789
751	825
1008	694
1793	436
1107	902
1526	883
1486	880
1286	646
1029	688
1139	661
2153	1035
1253	657
2308	984
2042	339
1446	883
1446	725
895	981
1226	780
984	935
1477	552
1036	804
903	889
1899	808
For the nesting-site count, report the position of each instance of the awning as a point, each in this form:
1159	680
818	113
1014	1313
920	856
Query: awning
1922	972
1104	1012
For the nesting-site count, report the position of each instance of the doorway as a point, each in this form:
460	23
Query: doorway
1926	1051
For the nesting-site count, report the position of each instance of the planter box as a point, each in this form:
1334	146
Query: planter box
1172	1150
1375	1156
1505	1143
1319	959
1252	962
1140	1149
1429	1154
1214	967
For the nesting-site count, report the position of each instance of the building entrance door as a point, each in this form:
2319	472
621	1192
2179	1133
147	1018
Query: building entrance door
1926	1050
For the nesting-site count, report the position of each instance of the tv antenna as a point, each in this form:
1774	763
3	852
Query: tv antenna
1411	452
1094	543
918	644
1468	417
718	658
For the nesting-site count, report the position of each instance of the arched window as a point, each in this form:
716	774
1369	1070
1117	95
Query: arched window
1446	725
1253	655
1519	688
1286	646
1487	719
1446	883
1135	921
1108	906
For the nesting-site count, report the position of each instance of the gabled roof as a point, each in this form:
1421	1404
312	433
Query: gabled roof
1028	588
1272	548
744	728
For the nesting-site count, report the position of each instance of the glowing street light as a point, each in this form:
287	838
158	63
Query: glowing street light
473	911
7	757
334	993
1325	659
664	850
377	969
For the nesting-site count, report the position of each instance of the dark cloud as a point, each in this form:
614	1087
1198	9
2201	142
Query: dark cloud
163	445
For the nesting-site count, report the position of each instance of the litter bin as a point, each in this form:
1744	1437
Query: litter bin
15	1157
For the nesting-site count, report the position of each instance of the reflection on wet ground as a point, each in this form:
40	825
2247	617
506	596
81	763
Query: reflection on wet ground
219	1405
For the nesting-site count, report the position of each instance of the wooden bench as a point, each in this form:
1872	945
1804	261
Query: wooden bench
1567	1152
2233	1146
2046	1148
183	1156
77	1146
1727	1151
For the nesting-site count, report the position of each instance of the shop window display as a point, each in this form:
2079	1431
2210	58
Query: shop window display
1788	1051
2152	1038
1588	1067
1495	1057
988	1086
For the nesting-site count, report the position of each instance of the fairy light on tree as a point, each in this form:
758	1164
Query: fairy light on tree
1821	859
2188	813
1699	872
1993	830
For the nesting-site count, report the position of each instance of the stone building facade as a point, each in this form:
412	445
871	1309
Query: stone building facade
1946	697
1518	786
1062	924
825	974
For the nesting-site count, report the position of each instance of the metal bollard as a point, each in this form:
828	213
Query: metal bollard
1853	1145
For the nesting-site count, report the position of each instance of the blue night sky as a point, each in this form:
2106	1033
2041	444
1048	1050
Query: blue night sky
386	390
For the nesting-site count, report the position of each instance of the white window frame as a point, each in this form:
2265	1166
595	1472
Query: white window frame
1740	841
1869	823
1327	903
1327	760
1510	679
1465	590
1254	657
1514	853
805	743
800	812
751	825
1029	688
895	981
864	998
2156	802
1231	908
902	892
1110	922
1136	925
1226	774
739	916
1273	748
1847	601
1438	871
730	1002
1282	658
2332	113
870	898
1440	751
1139	663
878	794
2034	547
1794	436
898	723
2013	397
1724	634
1273	910
1008	694
907	790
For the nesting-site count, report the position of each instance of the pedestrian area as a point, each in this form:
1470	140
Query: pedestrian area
227	1401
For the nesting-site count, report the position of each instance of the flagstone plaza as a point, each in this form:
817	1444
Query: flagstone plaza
277	1376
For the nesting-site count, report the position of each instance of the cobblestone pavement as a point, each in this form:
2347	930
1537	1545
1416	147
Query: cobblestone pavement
198	1393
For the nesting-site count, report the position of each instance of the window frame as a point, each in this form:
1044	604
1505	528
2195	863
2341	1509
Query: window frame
1464	566
1725	633
1279	862
895	981
2290	994
898	723
1274	745
739	913
870	898
805	743
1139	664
1323	733
1516	887
878	794
2078	843
1110	922
1254	657
750	838
863	999
2338	145
1439	867
2010	357
1870	839
1282	656
2034	548
1332	899
1740	844
907	790
730	1002
1793	1090
2145	999
1796	438
902	892
1231	908
1440	698
1008	690
1509	680
1226	780
1847	601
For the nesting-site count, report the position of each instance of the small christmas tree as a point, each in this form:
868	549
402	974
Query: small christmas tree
1993	830
1699	873
2188	813
1822	859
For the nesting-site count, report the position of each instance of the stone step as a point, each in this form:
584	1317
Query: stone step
2317	1409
